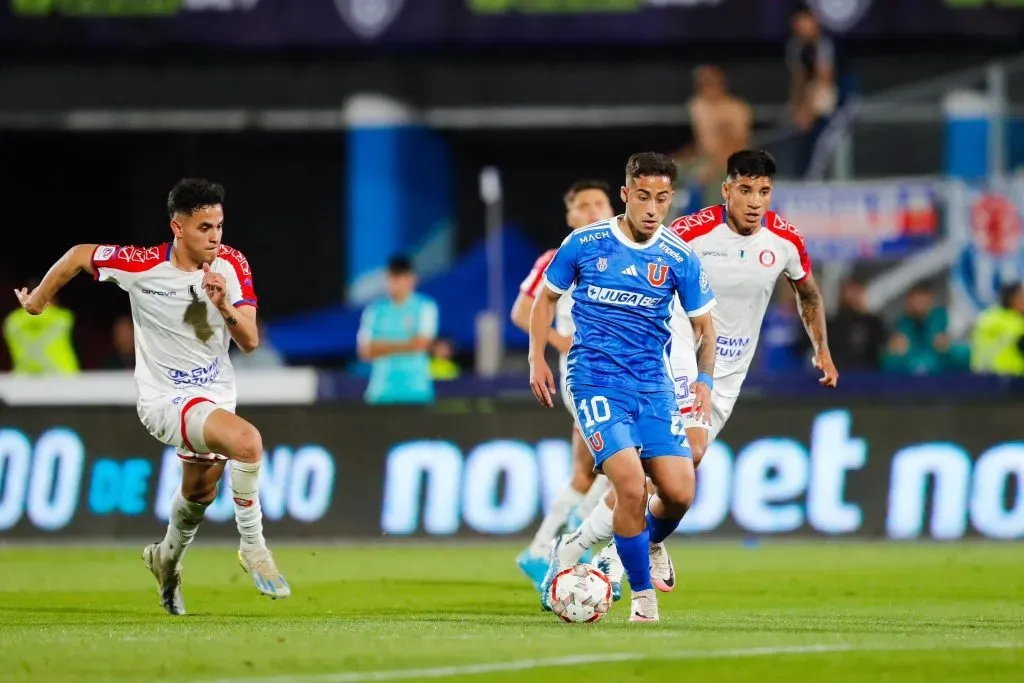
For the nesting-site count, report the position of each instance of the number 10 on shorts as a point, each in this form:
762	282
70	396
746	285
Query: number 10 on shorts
597	411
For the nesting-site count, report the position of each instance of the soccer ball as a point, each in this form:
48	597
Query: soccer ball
581	593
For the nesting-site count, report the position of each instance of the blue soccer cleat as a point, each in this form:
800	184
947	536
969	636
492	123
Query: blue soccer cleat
533	566
549	577
610	565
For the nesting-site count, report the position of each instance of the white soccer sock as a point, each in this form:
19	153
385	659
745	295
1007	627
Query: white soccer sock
594	496
596	528
181	527
248	513
553	521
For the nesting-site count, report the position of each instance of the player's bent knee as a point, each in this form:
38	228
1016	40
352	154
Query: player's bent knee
632	496
697	440
250	444
698	453
229	434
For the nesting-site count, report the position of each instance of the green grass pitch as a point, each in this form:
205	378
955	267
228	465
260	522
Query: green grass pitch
789	612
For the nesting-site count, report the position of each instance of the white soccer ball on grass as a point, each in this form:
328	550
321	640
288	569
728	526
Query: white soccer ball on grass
581	594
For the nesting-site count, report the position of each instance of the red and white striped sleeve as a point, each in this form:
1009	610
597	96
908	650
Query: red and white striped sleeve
124	264
798	261
241	291
535	279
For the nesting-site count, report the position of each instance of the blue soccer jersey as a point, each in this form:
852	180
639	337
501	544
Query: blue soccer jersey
622	302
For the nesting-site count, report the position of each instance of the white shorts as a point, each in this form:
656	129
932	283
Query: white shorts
721	409
178	420
723	396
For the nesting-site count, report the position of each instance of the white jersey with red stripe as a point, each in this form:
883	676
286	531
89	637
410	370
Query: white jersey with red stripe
181	340
742	271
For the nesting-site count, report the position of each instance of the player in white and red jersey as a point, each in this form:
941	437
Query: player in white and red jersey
190	298
586	202
743	248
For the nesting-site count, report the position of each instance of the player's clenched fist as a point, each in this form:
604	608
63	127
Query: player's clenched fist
542	382
215	285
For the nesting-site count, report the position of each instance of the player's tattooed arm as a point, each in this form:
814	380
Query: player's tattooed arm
812	312
74	261
242	326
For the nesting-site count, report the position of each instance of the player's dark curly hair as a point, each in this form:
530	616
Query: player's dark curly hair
583	186
750	163
650	164
191	194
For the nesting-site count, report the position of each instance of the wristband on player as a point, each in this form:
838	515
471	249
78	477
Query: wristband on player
706	379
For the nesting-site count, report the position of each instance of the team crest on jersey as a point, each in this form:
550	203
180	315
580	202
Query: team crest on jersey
767	258
656	274
596	441
602	264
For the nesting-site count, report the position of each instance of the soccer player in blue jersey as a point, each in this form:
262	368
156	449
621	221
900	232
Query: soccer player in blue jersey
629	272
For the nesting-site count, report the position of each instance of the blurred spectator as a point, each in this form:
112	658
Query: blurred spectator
264	356
395	334
41	344
919	344
721	125
783	342
123	337
857	337
997	345
442	367
813	95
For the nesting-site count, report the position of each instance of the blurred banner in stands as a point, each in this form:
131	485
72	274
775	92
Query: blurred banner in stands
811	468
990	222
432	23
850	220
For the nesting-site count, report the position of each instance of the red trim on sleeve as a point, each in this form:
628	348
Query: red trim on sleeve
787	231
242	272
695	225
127	259
533	281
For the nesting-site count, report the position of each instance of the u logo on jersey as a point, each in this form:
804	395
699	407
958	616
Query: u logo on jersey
596	441
656	274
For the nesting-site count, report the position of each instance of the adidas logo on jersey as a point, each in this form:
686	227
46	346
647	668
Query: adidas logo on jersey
631	271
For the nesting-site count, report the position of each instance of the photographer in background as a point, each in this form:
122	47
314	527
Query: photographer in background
997	346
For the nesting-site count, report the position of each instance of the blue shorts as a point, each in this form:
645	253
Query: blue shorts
612	420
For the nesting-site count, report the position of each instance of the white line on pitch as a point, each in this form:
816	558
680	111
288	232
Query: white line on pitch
611	657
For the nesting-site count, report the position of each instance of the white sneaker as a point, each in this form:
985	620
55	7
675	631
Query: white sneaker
644	606
260	565
608	562
168	579
663	574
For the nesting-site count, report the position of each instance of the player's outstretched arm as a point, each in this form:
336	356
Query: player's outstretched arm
75	260
812	312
